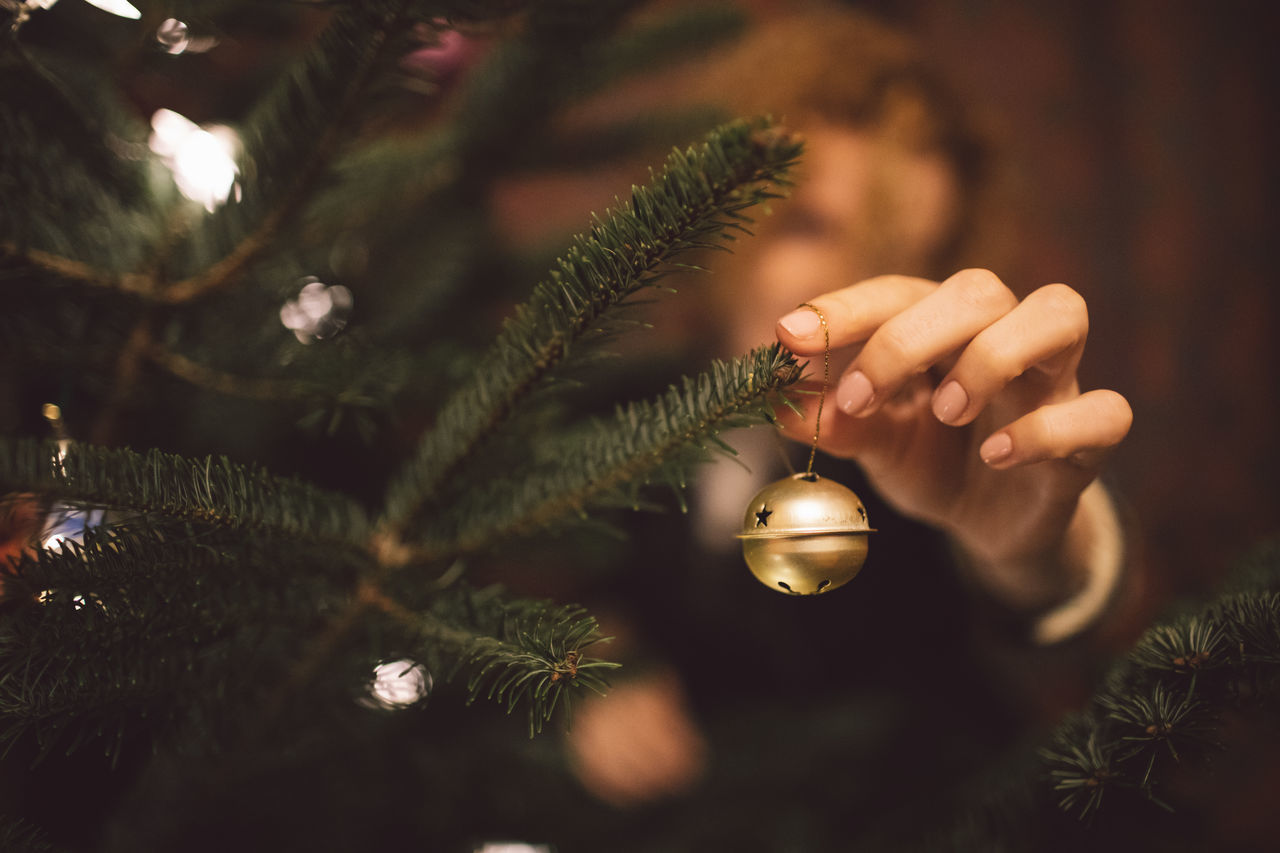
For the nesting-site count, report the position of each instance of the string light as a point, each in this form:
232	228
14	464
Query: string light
173	35
53	414
117	7
319	311
398	684
202	159
78	602
66	523
22	9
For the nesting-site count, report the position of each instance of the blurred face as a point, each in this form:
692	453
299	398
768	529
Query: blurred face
861	207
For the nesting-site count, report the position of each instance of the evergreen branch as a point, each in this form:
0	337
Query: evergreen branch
140	622
96	641
209	491
646	442
1185	646
203	376
1081	767
529	78
697	201
17	836
1166	719
134	284
1251	625
502	109
1163	704
66	189
293	135
518	653
681	33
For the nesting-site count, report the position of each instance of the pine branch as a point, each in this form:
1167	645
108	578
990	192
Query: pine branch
209	491
528	79
65	193
697	202
510	97
1081	768
67	673
78	271
679	34
17	836
289	141
141	622
1251	624
1162	705
519	653
203	376
607	463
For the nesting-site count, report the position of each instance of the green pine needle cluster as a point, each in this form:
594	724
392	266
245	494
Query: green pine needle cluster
213	491
522	653
608	463
1162	706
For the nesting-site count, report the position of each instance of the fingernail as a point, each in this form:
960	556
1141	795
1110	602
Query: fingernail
950	402
801	323
997	448
854	393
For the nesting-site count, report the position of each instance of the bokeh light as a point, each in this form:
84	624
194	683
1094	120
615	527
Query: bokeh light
123	8
173	35
202	159
66	523
318	311
399	684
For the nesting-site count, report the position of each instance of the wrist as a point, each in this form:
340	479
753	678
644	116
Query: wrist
1060	592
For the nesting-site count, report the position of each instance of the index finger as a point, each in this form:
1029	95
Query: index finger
852	313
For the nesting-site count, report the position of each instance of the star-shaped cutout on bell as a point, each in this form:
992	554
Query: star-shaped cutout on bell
762	517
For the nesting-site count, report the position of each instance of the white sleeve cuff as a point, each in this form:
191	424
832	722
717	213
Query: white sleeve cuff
1104	563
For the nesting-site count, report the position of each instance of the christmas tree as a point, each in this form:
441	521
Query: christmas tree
267	439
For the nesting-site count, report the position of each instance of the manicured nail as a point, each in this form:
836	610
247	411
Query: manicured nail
801	323
997	448
854	393
950	402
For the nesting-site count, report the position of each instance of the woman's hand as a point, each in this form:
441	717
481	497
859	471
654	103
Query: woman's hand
961	404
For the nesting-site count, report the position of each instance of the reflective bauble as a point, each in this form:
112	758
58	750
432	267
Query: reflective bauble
804	535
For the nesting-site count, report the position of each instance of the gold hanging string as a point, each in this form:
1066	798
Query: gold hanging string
826	380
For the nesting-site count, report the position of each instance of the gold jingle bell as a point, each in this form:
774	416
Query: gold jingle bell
804	535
